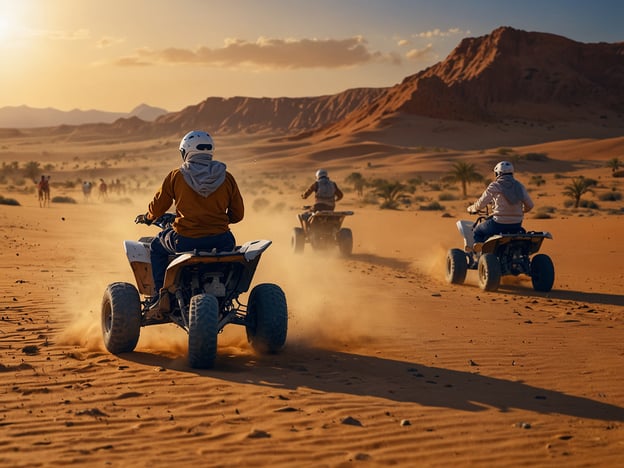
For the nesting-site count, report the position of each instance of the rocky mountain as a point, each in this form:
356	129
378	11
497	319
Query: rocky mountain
29	117
510	74
280	115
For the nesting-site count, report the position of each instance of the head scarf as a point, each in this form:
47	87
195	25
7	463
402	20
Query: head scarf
203	174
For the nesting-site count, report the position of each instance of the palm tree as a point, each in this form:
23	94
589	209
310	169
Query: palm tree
390	192
614	164
465	173
358	182
579	187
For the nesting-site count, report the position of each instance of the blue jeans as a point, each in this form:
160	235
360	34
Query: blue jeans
168	242
489	227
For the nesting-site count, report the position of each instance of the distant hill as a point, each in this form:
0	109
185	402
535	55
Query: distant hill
527	78
29	117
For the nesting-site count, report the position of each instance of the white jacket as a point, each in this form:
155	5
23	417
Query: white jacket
509	197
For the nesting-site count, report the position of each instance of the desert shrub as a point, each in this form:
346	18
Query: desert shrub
445	196
536	157
618	174
592	205
279	207
8	201
260	204
370	199
547	209
610	196
63	200
544	212
504	151
537	180
432	206
434	187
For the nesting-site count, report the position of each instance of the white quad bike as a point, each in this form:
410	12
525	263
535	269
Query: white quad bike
200	295
500	255
323	230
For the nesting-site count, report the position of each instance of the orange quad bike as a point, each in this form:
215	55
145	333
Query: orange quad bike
322	230
500	255
201	295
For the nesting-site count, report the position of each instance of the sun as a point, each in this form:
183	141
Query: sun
5	27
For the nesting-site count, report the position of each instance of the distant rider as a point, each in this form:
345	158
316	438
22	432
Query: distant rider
510	201
207	201
326	192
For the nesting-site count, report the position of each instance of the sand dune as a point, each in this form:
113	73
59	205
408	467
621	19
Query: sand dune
385	363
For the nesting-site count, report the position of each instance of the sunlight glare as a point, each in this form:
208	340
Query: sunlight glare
5	27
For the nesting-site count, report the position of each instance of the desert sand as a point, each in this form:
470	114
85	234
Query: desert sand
385	363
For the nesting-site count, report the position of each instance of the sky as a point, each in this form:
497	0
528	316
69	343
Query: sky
116	54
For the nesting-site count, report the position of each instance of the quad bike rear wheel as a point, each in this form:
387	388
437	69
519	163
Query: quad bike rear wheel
267	318
489	272
297	241
542	273
121	317
456	266
345	242
202	336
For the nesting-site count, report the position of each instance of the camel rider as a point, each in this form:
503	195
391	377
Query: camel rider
207	200
510	201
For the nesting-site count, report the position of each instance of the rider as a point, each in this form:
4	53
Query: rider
326	192
510	199
207	201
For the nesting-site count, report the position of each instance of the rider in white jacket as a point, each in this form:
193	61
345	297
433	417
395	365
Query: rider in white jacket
510	201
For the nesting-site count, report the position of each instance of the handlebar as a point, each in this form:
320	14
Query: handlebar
162	222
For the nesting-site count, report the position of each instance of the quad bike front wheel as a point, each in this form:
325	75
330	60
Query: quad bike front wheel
489	272
202	336
542	273
456	266
297	241
345	242
267	318
121	317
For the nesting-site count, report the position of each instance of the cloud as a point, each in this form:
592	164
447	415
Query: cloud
108	41
439	33
268	53
420	54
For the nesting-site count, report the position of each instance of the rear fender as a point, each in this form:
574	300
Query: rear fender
534	239
247	255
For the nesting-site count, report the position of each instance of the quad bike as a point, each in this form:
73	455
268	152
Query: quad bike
323	230
500	255
200	295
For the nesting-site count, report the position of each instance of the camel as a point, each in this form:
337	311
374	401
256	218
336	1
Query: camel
103	189
43	190
86	190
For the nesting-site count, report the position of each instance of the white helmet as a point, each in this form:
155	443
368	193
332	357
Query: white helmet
194	142
321	173
503	167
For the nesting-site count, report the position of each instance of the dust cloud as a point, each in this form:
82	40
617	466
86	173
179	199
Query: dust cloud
332	301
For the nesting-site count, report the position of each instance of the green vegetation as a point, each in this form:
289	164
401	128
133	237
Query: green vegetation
579	187
464	173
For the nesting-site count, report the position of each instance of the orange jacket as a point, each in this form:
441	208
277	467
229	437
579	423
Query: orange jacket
198	216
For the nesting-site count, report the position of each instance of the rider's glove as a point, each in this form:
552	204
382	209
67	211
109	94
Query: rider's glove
143	219
471	209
